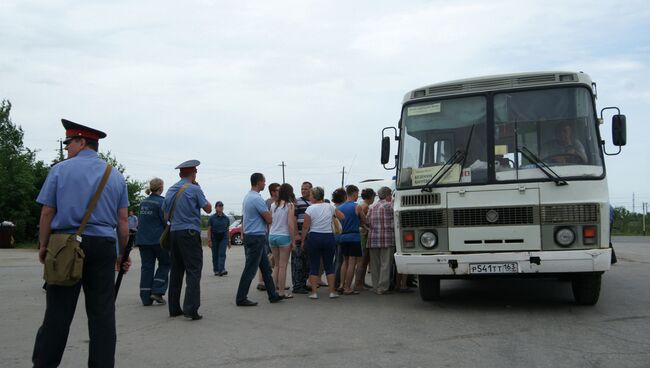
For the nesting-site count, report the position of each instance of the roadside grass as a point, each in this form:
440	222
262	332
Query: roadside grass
26	245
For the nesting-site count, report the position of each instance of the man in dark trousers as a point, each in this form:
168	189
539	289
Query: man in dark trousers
185	232
65	195
256	216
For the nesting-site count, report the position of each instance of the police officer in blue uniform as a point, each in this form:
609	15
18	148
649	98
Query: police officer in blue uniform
68	189
186	251
151	219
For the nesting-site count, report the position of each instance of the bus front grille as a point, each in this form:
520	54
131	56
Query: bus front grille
496	216
423	218
571	213
421	199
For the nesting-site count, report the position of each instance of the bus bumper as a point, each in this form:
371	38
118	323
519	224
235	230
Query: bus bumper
478	264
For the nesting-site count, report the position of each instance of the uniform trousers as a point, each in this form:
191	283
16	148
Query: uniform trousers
98	282
187	260
152	280
381	262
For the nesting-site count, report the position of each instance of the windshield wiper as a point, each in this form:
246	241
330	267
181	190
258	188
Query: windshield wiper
542	166
454	159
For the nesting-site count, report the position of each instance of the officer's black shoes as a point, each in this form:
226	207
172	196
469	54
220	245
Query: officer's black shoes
175	314
275	299
157	298
193	317
224	273
246	303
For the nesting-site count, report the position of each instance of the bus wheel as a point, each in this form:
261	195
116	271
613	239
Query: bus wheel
429	287
586	288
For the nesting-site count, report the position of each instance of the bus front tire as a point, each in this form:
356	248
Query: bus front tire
429	286
586	288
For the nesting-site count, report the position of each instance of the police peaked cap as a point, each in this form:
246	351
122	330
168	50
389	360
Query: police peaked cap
74	130
188	166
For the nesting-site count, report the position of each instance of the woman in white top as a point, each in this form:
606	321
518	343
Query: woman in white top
282	235
319	240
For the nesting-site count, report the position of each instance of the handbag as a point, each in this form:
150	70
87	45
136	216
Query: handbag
337	229
64	258
165	239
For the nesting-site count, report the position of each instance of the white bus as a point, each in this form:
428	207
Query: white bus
503	176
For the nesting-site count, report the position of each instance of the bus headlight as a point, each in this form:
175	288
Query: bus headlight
429	239
564	237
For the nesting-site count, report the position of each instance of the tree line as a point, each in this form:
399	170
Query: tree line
22	176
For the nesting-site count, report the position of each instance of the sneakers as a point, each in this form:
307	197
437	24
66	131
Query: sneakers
313	296
157	298
334	295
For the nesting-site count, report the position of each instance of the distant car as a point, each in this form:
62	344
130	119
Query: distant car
234	234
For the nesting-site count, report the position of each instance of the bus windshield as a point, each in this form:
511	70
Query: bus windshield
556	125
447	139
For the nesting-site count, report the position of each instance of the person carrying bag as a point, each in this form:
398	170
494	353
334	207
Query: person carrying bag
165	239
64	258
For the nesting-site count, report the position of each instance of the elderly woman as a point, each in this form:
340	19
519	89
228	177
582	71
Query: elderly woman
319	240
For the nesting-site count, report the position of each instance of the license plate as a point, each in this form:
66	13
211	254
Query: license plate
487	268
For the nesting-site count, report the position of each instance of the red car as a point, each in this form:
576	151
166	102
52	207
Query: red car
234	234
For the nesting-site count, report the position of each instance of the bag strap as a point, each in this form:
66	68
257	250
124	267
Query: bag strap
180	191
93	201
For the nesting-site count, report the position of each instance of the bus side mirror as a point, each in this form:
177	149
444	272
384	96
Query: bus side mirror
619	132
385	150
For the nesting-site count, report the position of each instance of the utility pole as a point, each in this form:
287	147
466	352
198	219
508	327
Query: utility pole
343	177
645	209
633	202
283	166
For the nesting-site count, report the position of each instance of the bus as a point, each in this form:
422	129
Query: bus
503	176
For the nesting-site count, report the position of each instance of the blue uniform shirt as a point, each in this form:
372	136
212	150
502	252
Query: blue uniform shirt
219	223
151	221
187	213
69	187
350	224
253	207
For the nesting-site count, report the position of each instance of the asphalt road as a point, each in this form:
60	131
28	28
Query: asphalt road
491	323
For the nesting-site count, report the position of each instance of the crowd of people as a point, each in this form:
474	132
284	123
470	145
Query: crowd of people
338	239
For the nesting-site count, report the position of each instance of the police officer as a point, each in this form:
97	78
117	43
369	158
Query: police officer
65	195
186	251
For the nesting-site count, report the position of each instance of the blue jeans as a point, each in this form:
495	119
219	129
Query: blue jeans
150	282
255	251
219	254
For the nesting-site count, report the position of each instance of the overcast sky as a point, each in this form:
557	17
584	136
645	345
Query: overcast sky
242	86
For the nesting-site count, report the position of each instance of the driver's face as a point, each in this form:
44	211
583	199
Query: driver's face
564	135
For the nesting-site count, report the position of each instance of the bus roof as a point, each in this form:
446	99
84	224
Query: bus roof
497	82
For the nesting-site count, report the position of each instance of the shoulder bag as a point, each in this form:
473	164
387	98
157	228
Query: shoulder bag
64	259
165	239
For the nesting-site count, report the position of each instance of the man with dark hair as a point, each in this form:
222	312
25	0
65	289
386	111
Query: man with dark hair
68	189
299	260
186	251
256	217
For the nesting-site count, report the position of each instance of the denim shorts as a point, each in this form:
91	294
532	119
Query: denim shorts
279	240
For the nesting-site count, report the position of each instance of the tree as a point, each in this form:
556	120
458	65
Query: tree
21	179
133	187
